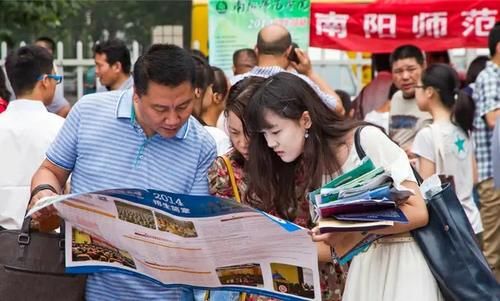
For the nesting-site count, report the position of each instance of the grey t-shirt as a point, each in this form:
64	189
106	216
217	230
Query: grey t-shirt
405	120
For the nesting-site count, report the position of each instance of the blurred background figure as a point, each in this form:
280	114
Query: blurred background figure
60	104
380	116
374	95
4	92
244	60
112	65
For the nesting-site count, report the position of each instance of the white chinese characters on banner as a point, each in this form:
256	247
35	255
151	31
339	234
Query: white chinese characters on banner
382	25
434	25
335	25
479	22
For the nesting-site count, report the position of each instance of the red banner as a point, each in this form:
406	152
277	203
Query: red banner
385	25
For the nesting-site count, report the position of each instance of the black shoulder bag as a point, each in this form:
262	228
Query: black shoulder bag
449	247
32	267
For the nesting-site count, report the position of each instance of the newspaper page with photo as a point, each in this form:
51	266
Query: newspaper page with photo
182	240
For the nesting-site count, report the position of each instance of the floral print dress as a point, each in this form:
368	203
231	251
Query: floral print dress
332	277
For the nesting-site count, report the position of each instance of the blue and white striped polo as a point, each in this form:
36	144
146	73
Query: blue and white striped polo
105	148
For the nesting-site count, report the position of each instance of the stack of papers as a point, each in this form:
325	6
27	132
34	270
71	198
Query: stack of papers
364	198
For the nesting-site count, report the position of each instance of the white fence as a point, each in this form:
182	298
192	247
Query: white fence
79	62
337	70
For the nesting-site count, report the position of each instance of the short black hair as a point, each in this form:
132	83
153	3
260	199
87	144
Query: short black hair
476	66
249	52
25	65
407	52
381	61
276	47
494	39
115	51
164	64
51	43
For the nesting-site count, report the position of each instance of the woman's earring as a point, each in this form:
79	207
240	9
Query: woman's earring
306	134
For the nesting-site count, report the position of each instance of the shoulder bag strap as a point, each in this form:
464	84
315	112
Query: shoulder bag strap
361	152
357	143
230	171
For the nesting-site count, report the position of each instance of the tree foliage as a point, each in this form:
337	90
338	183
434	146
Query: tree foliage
27	19
90	20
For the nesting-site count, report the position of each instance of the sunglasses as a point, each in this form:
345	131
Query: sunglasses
57	78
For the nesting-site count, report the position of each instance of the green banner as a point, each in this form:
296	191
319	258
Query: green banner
234	24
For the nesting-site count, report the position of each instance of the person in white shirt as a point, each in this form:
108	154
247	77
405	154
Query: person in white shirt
26	129
208	105
445	147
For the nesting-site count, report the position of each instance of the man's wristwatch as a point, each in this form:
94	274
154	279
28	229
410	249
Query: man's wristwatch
41	187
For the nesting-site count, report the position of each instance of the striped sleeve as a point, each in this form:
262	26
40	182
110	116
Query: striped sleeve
329	100
209	153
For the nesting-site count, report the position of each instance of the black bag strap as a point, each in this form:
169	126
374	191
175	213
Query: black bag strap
361	152
357	143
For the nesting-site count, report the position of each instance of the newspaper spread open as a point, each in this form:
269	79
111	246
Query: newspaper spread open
198	241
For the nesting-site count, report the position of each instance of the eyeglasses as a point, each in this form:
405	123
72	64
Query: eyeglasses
57	78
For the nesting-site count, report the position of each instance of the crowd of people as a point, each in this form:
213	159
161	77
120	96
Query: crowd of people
173	122
92	251
135	215
177	227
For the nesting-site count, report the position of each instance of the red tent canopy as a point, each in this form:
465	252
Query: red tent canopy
384	25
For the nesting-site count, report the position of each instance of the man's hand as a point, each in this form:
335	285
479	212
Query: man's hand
304	66
46	218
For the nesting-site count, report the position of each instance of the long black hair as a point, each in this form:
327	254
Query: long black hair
4	92
270	178
238	98
444	79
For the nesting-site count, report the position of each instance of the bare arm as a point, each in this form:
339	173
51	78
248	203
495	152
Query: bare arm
491	118
475	175
426	167
51	174
324	252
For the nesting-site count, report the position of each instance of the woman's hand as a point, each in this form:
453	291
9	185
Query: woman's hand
332	239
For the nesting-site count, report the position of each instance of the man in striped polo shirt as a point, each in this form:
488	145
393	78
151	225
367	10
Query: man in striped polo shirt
143	137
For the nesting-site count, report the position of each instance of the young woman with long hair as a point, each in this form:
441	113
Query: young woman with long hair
293	135
332	278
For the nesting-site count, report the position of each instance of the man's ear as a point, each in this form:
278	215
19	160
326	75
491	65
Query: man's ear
117	66
45	82
305	120
256	50
197	92
136	96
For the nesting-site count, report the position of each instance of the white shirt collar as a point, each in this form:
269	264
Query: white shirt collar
26	105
